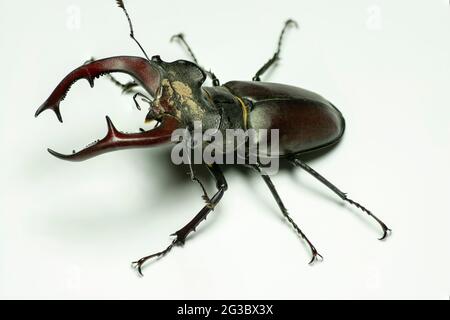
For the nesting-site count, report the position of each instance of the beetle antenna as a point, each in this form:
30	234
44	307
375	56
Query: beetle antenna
122	6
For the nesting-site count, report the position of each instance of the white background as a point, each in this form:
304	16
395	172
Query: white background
70	230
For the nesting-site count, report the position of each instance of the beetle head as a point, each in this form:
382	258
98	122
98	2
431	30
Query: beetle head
179	93
149	74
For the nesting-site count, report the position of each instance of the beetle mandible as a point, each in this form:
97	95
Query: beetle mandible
236	104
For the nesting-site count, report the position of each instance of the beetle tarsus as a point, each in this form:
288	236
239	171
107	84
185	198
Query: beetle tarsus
276	55
314	252
316	256
342	195
139	263
285	213
183	233
386	230
180	239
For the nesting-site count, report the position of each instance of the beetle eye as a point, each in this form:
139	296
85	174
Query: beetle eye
156	58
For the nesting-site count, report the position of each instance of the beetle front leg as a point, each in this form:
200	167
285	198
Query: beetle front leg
341	194
285	213
182	234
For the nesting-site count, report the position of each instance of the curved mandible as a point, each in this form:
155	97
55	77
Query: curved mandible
116	140
144	71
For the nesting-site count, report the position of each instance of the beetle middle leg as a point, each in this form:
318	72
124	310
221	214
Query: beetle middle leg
285	213
211	75
276	55
297	162
182	234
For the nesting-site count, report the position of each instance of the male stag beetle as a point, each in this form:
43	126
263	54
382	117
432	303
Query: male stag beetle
306	121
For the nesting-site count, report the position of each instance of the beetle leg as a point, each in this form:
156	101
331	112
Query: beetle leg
182	234
191	173
180	37
211	75
144	71
269	183
205	196
342	195
127	87
276	55
144	98
116	140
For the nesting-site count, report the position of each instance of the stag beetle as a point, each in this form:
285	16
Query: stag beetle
305	120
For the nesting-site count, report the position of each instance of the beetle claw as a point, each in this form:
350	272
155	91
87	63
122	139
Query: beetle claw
386	232
139	263
316	256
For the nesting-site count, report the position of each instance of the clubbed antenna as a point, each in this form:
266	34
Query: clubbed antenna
122	6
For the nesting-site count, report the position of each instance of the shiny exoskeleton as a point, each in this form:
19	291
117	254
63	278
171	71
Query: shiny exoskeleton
177	98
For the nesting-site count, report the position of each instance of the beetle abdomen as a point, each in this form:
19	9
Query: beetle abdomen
306	121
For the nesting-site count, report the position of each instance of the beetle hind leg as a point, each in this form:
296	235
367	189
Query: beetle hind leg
316	256
342	195
182	234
